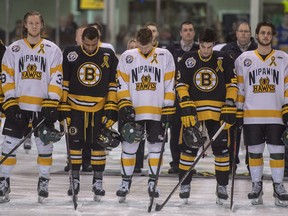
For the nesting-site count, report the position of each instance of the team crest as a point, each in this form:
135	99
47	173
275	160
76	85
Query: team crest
72	56
205	79
129	59
264	86
16	48
73	131
247	62
146	84
89	74
190	62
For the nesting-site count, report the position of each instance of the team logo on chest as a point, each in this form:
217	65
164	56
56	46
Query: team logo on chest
89	74
205	79
264	86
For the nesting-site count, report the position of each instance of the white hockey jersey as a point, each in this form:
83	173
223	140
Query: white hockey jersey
31	74
262	86
147	81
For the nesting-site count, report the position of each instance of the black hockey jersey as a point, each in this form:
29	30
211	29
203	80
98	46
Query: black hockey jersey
89	79
208	82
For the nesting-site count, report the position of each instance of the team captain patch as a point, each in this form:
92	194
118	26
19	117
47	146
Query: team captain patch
72	56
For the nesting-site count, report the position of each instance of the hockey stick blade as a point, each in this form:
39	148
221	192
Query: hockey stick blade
158	167
160	206
74	198
22	140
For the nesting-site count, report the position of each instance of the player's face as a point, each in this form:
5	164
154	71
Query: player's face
187	32
243	34
265	36
90	46
206	49
154	30
33	25
145	49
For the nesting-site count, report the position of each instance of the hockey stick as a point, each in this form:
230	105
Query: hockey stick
22	141
74	198
160	206
233	169
158	166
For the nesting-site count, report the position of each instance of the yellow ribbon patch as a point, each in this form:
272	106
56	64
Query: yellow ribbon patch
41	49
154	58
273	61
105	62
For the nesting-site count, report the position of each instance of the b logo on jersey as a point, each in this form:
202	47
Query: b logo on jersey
205	79
89	74
73	131
264	86
72	56
190	62
129	59
31	73
247	62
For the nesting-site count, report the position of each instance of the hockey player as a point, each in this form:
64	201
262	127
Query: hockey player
207	91
186	44
146	97
263	88
2	51
90	90
32	86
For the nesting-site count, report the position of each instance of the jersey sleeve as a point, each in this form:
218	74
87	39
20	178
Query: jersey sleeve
169	81
240	83
182	78
66	65
230	78
56	73
8	74
123	78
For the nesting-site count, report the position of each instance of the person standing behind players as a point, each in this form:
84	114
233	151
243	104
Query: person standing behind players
146	97
207	90
32	86
90	90
186	44
263	98
244	42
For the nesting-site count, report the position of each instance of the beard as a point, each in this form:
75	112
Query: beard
264	44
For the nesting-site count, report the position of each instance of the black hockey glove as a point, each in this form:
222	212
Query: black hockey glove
12	111
110	114
188	112
285	114
49	110
126	111
228	114
167	114
64	110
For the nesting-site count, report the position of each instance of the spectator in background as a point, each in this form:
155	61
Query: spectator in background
244	42
282	35
16	33
178	48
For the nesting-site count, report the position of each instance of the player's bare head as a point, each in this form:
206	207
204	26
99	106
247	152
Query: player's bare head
90	33
90	39
267	24
98	26
25	18
207	35
144	36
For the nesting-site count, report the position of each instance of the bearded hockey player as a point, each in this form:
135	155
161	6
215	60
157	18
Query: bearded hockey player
146	97
263	100
207	89
32	86
90	91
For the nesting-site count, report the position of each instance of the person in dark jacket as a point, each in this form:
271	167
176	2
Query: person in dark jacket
244	42
178	48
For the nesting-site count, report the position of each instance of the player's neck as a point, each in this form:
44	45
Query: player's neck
264	50
33	40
